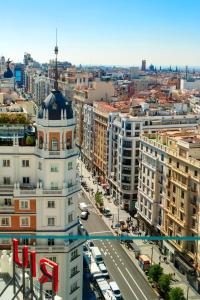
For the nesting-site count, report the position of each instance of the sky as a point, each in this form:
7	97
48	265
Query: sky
103	32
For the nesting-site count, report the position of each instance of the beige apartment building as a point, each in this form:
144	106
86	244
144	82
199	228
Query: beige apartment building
87	92
168	194
101	112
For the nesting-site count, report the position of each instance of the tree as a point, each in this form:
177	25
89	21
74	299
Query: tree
176	294
155	272
30	140
99	199
164	283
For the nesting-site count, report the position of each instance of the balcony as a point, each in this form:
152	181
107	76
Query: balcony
7	208
6	188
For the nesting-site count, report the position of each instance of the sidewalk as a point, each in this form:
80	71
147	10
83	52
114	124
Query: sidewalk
145	247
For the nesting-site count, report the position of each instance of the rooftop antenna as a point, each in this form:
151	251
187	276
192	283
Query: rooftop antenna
186	72
56	65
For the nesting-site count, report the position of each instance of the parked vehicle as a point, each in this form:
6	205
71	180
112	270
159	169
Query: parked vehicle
97	255
83	206
95	271
90	244
115	290
104	270
107	212
84	215
144	262
105	289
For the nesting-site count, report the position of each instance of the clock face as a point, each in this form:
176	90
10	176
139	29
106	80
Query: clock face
54	106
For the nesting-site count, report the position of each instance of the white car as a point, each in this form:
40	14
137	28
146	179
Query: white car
83	206
115	290
104	270
84	215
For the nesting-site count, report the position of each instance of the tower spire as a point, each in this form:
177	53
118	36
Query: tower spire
56	65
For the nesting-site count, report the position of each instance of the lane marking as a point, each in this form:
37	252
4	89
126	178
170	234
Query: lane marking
136	284
128	283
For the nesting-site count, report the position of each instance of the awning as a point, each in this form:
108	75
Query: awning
183	264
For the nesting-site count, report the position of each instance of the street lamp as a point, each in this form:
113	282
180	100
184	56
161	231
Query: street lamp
152	255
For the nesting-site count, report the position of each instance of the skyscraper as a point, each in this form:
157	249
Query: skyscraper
144	62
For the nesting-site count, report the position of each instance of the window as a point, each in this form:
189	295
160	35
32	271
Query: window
40	165
25	241
177	164
53	258
40	142
48	294
195	173
54	185
74	254
70	218
186	169
51	221
74	287
26	180
51	242
6	180
24	222
70	201
54	144
7	202
182	194
70	166
5	222
24	204
5	242
54	168
74	271
6	163
51	204
25	163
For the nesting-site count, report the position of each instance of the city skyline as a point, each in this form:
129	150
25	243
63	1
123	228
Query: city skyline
101	33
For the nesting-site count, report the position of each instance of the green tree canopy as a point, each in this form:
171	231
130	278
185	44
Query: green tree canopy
176	294
155	272
164	283
99	198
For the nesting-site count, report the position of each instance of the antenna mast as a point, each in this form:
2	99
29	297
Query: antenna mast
56	65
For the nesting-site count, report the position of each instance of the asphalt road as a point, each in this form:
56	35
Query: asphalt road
121	268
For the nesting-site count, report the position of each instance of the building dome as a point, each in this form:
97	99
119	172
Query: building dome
8	73
55	104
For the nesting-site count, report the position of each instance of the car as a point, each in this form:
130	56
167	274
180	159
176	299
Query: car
83	206
104	270
90	244
107	212
115	290
84	215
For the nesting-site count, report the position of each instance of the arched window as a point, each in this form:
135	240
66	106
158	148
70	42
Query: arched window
54	144
40	142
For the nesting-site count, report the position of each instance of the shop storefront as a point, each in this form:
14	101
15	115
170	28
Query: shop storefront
168	250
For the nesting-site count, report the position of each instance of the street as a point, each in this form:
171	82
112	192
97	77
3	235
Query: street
121	268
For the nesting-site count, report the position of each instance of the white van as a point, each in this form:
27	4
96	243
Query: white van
97	255
115	289
83	206
95	271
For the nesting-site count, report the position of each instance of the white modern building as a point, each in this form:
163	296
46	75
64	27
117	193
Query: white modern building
39	188
123	149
